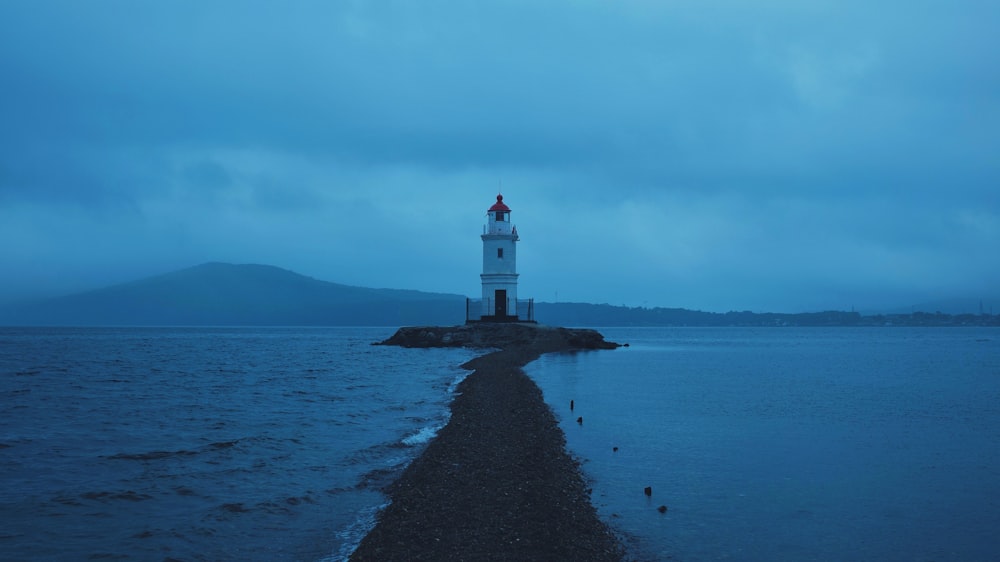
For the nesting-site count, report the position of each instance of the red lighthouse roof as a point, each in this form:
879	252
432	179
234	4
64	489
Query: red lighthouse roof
499	206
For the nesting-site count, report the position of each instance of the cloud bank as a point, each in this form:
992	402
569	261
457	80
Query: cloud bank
712	155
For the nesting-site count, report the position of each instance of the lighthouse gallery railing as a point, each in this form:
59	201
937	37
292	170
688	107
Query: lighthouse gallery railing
523	311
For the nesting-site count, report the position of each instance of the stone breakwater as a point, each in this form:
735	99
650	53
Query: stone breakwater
497	482
540	338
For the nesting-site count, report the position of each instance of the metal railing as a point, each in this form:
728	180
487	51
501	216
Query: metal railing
523	310
501	228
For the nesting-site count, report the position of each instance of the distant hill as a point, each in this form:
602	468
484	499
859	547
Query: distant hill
581	314
225	294
604	315
219	294
955	306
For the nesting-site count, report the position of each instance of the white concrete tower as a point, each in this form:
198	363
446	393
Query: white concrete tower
499	265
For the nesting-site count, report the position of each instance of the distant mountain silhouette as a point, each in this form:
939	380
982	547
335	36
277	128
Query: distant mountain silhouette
223	294
955	306
220	294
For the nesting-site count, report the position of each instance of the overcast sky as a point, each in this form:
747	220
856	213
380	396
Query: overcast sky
710	154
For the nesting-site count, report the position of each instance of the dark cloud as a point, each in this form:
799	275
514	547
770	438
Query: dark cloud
707	154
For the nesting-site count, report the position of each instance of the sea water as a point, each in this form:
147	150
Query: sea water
789	444
207	444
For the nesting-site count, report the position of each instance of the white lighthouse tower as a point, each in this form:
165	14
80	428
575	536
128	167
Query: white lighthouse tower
500	266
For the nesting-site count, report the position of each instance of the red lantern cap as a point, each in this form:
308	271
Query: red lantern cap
499	206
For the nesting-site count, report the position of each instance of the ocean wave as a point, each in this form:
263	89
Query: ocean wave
152	455
352	536
127	495
453	387
423	435
181	438
157	455
378	479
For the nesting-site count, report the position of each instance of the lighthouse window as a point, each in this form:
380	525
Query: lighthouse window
500	215
500	253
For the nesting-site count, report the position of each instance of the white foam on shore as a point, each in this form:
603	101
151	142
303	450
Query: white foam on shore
424	435
352	536
453	387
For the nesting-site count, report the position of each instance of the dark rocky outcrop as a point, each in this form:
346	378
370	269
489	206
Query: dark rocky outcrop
501	336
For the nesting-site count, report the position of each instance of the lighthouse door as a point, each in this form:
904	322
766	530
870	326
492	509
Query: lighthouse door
501	300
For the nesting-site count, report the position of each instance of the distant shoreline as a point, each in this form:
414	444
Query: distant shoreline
497	482
219	294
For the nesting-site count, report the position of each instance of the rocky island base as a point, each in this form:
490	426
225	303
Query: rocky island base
497	482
